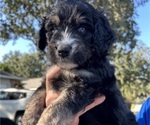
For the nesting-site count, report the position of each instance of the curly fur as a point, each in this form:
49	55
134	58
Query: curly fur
78	38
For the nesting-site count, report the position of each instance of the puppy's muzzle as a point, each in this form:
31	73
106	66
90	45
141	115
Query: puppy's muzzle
64	50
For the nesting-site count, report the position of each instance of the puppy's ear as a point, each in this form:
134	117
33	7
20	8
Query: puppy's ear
104	36
42	42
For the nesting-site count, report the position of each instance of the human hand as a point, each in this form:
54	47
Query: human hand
51	95
50	75
100	99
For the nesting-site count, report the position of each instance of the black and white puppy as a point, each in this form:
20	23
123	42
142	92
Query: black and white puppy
78	38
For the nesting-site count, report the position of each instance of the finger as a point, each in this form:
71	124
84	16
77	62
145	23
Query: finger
96	102
52	73
50	96
75	121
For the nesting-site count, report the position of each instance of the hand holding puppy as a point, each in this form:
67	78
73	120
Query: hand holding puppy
51	95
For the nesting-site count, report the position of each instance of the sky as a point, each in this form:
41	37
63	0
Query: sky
143	21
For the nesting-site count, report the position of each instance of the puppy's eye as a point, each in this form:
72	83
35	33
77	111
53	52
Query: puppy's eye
82	29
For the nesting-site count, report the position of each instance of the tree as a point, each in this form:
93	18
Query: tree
133	73
22	18
24	65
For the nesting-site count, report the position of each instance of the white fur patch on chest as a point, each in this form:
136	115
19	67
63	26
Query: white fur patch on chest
82	72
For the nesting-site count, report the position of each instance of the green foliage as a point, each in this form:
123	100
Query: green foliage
133	73
20	18
24	65
5	67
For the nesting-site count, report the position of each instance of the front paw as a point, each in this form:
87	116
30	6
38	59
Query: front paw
55	115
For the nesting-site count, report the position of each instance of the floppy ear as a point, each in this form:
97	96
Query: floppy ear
42	42
103	35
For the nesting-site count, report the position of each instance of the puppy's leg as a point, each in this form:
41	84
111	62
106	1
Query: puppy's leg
118	109
34	107
66	106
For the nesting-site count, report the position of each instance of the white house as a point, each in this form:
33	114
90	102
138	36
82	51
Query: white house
8	80
32	83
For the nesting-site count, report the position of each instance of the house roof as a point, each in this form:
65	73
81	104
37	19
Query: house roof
32	83
7	75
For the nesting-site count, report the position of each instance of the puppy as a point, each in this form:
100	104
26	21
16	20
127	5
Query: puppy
78	38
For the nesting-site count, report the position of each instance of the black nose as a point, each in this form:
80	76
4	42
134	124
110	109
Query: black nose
64	50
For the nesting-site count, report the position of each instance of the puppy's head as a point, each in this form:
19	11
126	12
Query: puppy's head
74	32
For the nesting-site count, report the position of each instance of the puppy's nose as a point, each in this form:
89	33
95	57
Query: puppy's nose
64	50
